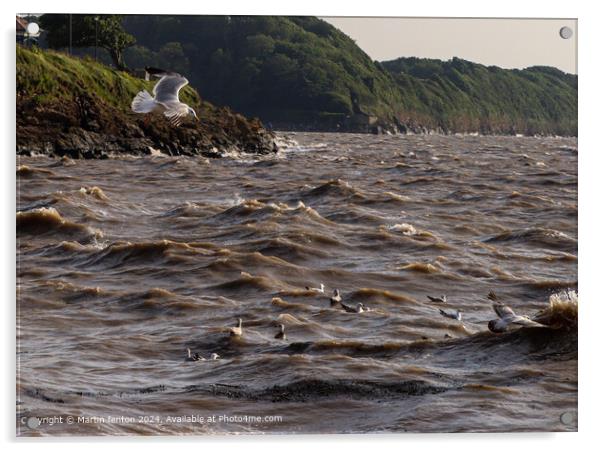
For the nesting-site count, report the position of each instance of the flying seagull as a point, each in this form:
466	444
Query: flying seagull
507	317
165	98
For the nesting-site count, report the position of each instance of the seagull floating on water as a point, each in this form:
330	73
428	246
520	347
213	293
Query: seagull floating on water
336	298
237	330
192	357
166	99
316	290
451	314
197	357
358	309
281	335
442	299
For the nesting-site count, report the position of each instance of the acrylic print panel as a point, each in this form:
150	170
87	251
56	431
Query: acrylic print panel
231	224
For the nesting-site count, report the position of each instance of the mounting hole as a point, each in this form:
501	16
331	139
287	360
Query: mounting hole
567	418
33	423
566	32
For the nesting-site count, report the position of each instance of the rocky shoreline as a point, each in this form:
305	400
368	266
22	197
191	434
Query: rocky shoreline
78	108
59	131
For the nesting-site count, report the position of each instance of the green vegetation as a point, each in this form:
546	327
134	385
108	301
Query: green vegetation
47	77
268	66
302	72
105	31
460	95
76	107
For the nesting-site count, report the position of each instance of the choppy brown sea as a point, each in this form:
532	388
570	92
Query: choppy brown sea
123	264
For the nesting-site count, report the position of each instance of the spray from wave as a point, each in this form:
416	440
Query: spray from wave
562	312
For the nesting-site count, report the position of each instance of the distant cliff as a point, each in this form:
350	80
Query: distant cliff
80	108
303	73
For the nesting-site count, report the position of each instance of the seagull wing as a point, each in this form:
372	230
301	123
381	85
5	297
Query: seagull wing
524	321
434	299
156	72
347	308
168	87
176	113
492	296
446	314
503	311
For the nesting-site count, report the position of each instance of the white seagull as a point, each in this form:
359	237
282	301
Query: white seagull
165	98
197	357
360	308
316	290
507	317
336	298
452	314
281	335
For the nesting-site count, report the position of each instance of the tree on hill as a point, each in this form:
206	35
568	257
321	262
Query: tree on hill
111	36
270	66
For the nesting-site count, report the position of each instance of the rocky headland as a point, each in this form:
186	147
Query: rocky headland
81	109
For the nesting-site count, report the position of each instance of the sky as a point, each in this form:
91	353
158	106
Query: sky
507	43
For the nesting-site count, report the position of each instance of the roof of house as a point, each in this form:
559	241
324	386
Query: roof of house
21	24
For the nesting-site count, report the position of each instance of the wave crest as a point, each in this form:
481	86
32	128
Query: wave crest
45	220
563	311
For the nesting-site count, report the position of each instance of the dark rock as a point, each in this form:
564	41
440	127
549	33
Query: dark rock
88	129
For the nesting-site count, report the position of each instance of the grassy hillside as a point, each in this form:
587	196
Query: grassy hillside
460	95
305	73
77	107
46	78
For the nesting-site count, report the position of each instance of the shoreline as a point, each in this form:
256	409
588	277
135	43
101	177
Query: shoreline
430	133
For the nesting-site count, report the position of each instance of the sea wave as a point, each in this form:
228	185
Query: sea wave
536	235
47	220
335	188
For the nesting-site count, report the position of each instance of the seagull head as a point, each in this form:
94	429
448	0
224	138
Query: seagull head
191	112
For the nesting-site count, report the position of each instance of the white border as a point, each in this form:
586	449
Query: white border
590	102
